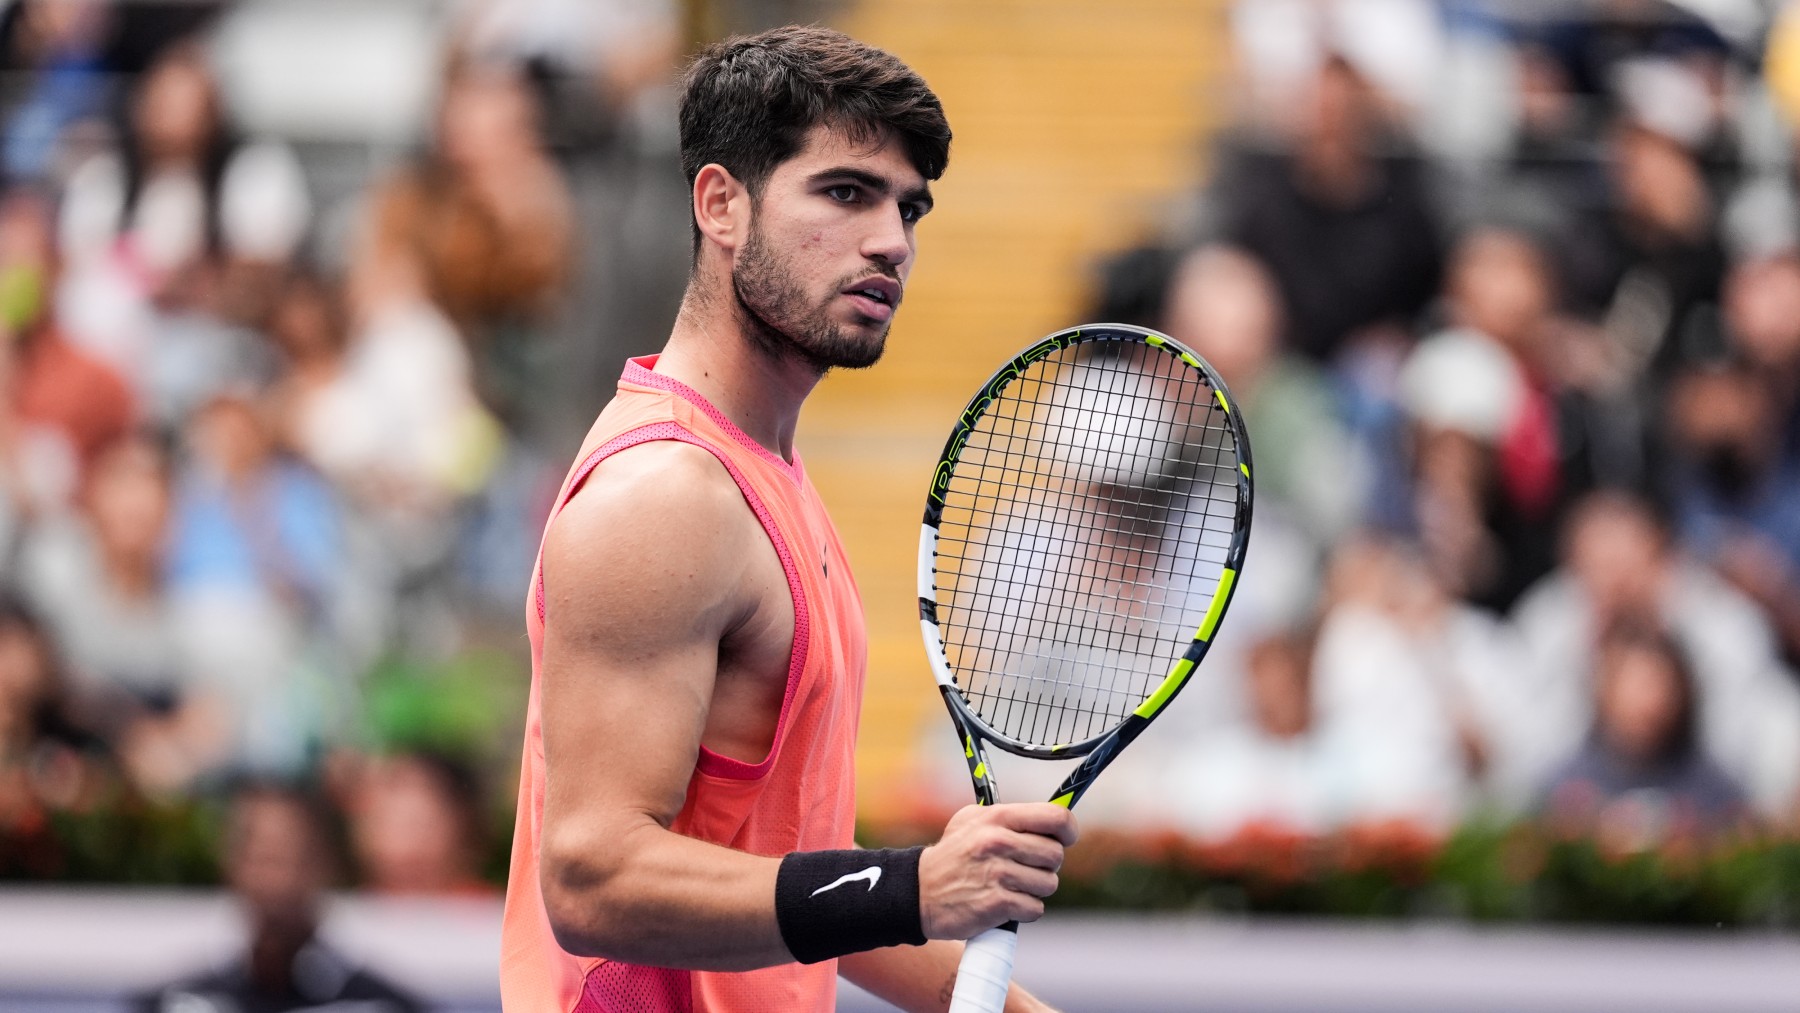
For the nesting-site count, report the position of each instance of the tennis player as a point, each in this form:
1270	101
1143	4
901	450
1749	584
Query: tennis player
686	805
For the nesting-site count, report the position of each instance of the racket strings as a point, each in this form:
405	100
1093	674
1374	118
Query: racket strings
1085	528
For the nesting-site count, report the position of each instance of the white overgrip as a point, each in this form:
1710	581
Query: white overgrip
985	974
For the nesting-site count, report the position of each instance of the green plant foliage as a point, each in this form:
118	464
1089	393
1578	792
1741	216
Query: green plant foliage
462	706
127	840
1482	872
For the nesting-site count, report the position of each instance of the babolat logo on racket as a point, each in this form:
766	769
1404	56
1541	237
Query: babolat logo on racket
973	413
1043	348
940	481
971	417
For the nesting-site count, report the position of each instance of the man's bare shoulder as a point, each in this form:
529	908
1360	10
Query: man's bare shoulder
660	470
657	530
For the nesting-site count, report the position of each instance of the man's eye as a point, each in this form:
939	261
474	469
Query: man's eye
842	194
911	212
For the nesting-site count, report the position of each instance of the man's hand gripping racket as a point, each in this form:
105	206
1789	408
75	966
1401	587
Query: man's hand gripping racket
1083	533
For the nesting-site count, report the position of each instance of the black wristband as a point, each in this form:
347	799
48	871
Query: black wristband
829	903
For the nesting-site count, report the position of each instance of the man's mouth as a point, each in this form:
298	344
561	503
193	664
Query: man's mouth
875	297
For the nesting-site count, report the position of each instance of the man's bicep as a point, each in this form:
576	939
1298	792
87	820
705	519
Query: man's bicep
640	579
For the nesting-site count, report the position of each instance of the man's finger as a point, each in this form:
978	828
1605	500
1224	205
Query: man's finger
1044	818
1036	851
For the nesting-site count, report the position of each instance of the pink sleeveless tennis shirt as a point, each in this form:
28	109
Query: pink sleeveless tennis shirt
801	797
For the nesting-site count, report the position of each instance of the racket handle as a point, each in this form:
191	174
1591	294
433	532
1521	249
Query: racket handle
985	974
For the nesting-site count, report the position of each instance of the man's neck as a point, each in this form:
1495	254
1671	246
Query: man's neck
761	394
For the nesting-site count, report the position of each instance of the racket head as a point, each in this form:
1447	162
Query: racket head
1081	539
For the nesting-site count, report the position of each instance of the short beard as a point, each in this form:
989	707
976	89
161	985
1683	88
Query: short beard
775	315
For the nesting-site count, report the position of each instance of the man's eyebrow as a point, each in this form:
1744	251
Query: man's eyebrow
878	184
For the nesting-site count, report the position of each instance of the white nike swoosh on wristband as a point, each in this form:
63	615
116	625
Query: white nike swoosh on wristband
872	874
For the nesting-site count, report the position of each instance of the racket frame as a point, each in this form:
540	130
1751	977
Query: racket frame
1099	750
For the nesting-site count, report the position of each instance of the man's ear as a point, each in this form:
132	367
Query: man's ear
721	206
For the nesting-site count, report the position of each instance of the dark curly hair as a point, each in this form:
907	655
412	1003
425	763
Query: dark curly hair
748	102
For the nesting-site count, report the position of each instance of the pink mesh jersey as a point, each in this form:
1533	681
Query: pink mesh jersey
801	797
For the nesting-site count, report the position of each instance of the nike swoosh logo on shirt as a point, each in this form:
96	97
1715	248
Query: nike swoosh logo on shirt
872	874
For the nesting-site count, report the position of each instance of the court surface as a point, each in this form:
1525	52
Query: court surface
63	951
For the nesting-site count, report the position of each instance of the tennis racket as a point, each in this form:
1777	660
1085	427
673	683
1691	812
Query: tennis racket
1083	533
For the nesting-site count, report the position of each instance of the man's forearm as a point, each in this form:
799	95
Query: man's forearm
656	897
663	899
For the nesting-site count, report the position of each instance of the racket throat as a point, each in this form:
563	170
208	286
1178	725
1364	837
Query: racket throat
981	773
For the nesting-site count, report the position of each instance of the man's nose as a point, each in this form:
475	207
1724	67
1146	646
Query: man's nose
889	242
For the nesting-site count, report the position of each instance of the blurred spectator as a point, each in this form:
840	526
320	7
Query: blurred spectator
1686	96
1503	438
1591	42
1395	44
178	179
253	560
1734	479
1618	563
1641	776
1659	255
1389	695
1346	230
1762	318
62	43
47	761
38	468
201	341
309	329
97	576
142	226
415	825
1737	487
1135	285
1429	691
400	432
407	432
1274	771
1626	147
54	383
278	861
1553	144
1224	305
614	50
484	221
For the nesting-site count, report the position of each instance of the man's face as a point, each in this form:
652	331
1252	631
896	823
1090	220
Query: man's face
829	250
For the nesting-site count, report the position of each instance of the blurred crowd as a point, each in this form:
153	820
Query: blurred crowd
1510	294
273	402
